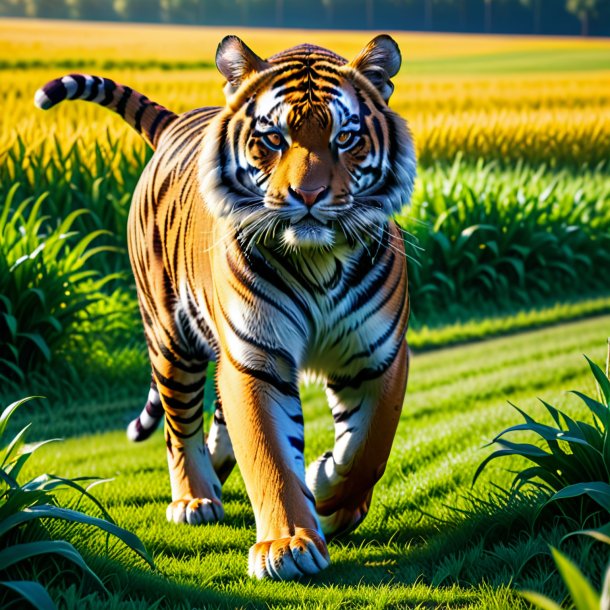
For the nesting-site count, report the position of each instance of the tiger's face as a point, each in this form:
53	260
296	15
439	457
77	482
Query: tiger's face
307	152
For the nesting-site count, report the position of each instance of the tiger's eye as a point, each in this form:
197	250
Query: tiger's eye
273	140
344	138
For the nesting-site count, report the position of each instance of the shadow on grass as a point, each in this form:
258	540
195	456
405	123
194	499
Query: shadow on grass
491	542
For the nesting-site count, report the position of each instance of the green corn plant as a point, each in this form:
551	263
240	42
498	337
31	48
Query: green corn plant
574	459
74	174
46	288
584	596
489	235
25	505
573	462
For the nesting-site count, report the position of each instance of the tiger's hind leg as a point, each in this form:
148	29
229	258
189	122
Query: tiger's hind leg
218	441
366	416
219	444
196	489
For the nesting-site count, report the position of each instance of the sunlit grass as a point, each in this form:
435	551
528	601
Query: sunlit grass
413	548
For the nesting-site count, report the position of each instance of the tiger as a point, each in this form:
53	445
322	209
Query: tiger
261	237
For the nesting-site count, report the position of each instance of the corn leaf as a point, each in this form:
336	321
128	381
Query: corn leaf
33	592
583	594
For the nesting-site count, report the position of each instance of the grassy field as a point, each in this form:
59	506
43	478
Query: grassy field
509	230
414	549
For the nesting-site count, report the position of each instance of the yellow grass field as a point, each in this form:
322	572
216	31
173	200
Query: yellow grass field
558	113
27	39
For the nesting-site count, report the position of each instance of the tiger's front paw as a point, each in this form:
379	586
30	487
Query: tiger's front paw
195	511
303	554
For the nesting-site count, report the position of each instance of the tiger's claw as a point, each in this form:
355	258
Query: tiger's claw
303	554
195	511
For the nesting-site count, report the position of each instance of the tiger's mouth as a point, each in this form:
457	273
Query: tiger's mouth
308	232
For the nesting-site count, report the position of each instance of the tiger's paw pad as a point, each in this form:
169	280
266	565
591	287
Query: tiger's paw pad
343	521
195	511
303	554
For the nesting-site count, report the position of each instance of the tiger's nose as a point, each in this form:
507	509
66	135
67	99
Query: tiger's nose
307	196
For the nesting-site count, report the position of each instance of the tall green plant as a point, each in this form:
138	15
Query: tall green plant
482	235
583	595
46	287
574	459
25	505
573	463
98	175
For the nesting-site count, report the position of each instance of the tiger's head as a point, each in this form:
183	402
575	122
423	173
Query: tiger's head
307	152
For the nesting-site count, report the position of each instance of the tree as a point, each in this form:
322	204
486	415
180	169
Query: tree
370	14
329	9
487	16
536	6
584	10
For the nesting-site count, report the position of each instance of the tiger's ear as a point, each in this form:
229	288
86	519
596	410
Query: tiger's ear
235	61
379	61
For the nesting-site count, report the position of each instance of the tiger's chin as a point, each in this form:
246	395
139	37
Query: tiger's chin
308	233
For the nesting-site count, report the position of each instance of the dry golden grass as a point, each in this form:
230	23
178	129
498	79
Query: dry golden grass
563	116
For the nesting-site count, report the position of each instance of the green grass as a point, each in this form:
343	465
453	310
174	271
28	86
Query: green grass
413	548
515	62
548	61
475	326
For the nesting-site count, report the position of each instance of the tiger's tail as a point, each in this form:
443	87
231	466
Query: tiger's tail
146	423
147	117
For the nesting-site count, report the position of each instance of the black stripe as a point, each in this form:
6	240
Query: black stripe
155	124
81	83
337	384
307	493
355	274
154	409
276	352
261	268
170	356
109	88
280	82
375	285
297	419
344	415
219	418
190	419
172	384
143	433
180	405
121	106
364	297
56	91
137	119
380	340
94	89
180	434
347	431
297	443
288	388
389	294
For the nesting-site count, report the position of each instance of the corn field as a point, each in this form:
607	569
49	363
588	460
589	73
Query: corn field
511	206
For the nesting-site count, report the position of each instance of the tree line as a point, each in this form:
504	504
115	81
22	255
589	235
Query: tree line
567	17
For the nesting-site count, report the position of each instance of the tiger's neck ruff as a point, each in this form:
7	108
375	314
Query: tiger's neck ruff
260	235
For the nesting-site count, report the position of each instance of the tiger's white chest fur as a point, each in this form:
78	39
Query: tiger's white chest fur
321	313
